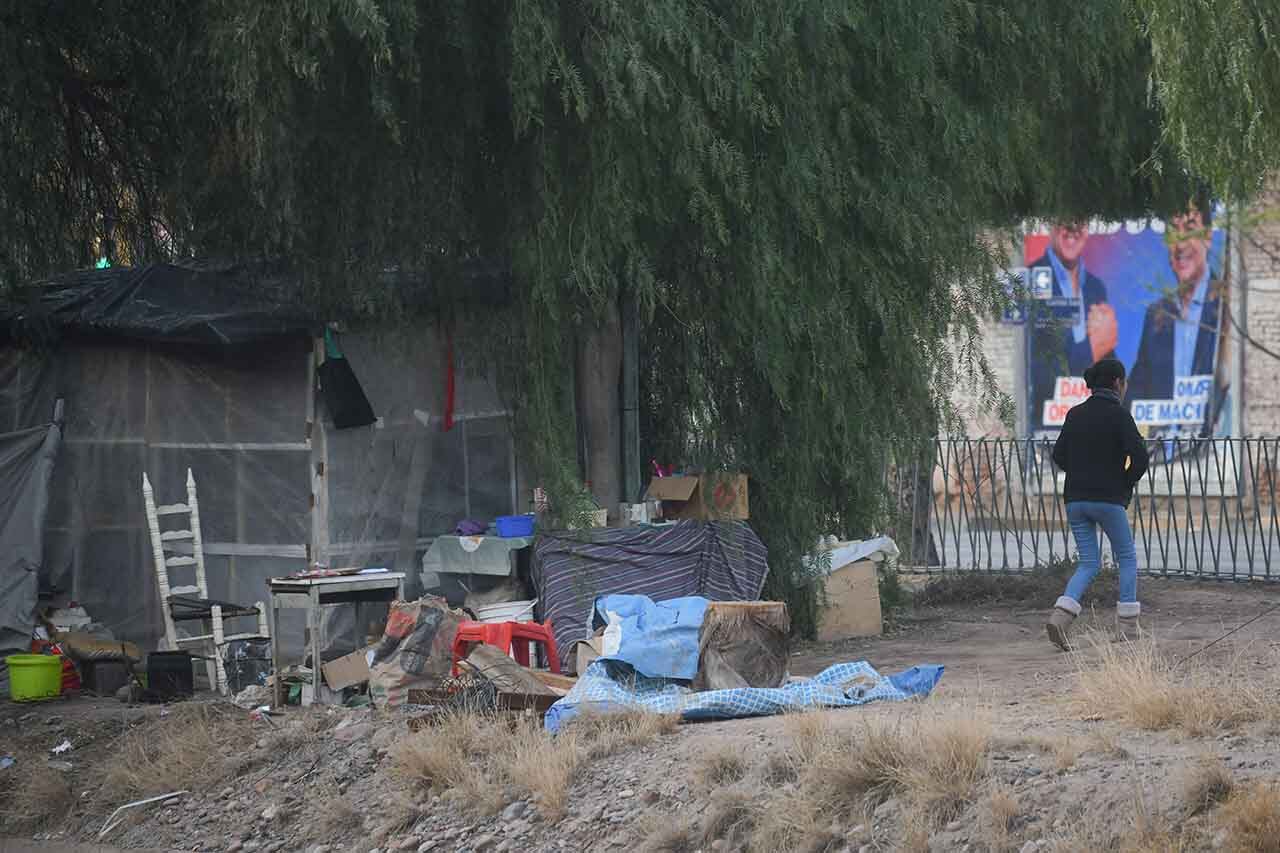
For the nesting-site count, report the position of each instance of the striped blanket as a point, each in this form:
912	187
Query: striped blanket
722	561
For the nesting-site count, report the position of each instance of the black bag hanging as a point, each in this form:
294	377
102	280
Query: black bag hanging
343	396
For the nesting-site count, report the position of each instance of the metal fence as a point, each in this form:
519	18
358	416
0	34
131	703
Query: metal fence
1207	508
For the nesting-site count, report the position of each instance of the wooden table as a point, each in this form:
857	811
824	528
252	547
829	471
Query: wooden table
311	594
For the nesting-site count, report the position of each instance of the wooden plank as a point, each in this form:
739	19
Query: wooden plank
174	535
561	683
172	509
179	561
504	673
525	702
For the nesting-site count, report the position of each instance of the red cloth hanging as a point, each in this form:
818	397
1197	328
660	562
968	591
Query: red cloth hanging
449	381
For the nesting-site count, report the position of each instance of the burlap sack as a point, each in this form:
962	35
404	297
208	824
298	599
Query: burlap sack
415	651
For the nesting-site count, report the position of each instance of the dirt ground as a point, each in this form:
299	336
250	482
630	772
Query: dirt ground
1051	771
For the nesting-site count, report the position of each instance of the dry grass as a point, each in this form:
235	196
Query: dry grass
1034	588
544	767
483	760
792	820
192	748
604	734
1251	817
1145	830
1066	752
446	754
937	762
780	768
721	766
1135	683
998	816
1207	783
663	835
730	818
1109	745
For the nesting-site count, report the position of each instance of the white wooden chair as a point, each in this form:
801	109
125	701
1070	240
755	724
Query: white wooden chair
191	602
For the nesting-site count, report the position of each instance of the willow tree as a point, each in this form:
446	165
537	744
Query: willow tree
795	194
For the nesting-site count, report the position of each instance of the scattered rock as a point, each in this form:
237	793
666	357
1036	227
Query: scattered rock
426	847
409	842
235	846
272	812
1030	847
626	794
53	720
351	734
718	845
482	842
514	812
384	737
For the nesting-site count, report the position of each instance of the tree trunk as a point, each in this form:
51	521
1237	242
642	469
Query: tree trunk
599	372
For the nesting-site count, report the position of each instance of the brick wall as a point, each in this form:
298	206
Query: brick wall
1002	344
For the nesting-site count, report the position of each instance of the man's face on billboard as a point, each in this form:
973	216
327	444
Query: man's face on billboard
1188	247
1068	241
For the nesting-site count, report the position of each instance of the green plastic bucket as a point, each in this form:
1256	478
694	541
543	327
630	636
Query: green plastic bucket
34	677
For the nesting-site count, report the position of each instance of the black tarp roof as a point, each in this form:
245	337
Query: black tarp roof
199	304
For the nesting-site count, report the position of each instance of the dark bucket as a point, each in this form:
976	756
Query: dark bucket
169	675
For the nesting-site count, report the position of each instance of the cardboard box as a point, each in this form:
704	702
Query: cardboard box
348	670
585	651
853	603
708	497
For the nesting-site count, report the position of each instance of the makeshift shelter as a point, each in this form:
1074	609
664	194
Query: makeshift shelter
165	368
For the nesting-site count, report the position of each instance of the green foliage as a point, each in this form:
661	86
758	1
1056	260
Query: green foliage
795	193
894	595
1217	77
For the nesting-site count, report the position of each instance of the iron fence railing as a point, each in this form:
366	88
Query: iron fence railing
1206	508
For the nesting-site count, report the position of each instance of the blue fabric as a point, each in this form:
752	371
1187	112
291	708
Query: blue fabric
659	640
1085	518
1062	278
608	687
1187	330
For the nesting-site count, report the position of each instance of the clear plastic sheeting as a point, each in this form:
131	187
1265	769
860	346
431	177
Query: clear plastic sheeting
26	464
396	484
251	428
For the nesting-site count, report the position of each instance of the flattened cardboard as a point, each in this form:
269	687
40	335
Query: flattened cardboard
348	670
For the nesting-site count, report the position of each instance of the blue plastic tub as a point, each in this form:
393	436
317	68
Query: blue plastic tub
514	526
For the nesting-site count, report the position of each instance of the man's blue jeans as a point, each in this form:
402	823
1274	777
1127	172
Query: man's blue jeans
1085	518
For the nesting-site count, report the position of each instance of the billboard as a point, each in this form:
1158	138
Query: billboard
1148	293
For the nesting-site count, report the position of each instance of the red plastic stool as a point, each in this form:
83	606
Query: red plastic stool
512	637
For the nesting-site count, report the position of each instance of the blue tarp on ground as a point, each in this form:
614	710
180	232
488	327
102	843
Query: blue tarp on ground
658	640
610	686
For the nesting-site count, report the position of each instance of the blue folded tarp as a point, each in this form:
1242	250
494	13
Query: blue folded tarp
656	639
611	686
